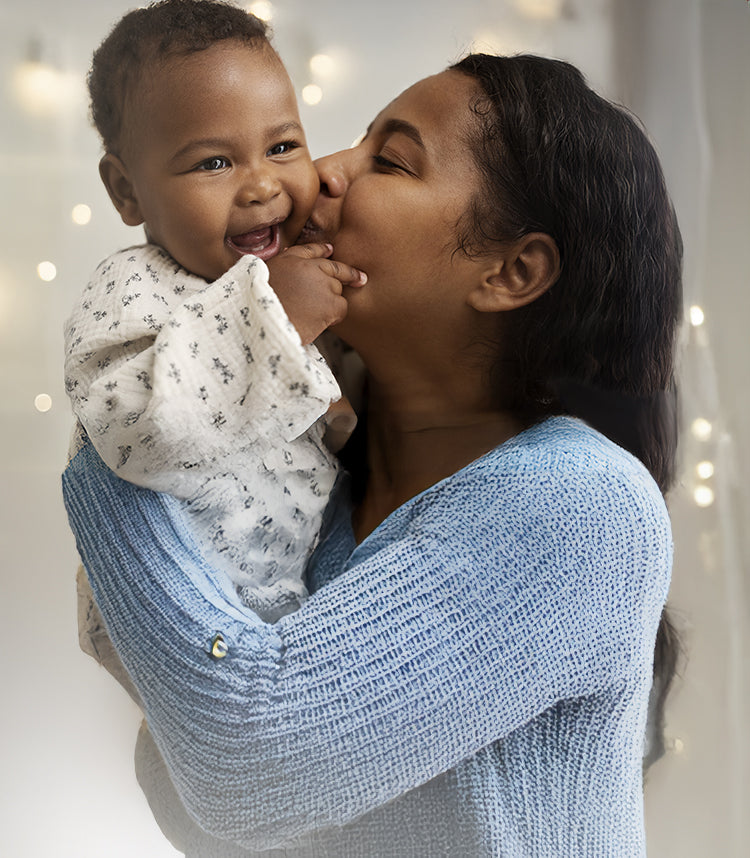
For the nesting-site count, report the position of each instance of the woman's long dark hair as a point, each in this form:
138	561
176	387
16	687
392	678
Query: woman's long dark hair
599	344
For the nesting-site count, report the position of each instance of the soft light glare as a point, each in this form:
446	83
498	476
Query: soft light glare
81	214
44	90
46	271
261	9
312	94
697	316
701	428
43	402
540	10
506	40
703	496
705	470
678	746
322	65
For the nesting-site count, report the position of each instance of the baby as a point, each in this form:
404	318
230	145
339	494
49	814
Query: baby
189	360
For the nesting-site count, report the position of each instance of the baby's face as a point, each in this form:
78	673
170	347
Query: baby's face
217	157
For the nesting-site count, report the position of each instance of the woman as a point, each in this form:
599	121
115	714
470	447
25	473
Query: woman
471	675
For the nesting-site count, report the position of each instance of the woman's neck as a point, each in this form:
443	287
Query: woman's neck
420	435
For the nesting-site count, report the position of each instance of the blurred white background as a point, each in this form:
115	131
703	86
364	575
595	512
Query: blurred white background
67	729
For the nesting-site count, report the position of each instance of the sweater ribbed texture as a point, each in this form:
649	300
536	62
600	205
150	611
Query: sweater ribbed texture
472	679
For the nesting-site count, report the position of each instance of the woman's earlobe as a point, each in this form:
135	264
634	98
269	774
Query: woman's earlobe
114	175
518	275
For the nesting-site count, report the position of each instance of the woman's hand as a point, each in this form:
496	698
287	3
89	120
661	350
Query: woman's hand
309	285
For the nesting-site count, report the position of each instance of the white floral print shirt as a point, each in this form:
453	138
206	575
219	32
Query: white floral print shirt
205	391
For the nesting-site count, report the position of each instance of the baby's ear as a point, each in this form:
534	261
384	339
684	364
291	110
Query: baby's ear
518	275
120	189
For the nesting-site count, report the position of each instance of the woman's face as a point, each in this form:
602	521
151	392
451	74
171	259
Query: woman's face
392	206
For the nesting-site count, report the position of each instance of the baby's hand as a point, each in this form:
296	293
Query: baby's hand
309	285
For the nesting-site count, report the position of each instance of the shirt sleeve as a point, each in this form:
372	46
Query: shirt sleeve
471	610
167	372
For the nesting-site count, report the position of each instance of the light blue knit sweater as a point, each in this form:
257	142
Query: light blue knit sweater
471	680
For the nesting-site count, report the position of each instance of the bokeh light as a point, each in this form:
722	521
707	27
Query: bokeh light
312	94
701	428
261	9
47	271
81	214
43	402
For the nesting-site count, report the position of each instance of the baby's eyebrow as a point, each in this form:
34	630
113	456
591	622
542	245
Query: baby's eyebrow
203	143
217	143
285	128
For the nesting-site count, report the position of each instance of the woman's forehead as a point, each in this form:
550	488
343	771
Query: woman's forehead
435	109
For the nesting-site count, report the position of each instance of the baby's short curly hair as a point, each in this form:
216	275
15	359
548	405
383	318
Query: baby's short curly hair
160	30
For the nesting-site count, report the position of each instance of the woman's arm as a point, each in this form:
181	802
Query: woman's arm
470	611
166	372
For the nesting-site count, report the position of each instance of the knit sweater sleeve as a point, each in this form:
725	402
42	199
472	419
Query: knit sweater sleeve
522	581
167	372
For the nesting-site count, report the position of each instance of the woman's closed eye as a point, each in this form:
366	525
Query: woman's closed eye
384	163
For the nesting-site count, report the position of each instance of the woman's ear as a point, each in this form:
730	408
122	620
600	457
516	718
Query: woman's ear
120	188
518	275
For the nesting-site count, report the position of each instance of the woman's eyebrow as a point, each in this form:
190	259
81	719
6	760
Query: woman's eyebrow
399	126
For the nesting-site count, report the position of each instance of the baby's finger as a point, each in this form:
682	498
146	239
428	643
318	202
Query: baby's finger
344	273
338	311
309	251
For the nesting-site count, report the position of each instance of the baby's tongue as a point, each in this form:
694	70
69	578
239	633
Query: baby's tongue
263	243
252	241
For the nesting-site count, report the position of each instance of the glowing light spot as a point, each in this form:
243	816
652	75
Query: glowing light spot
678	746
43	90
701	428
46	271
703	496
81	214
312	94
705	470
261	9
322	65
540	10
506	40
357	140
43	402
697	316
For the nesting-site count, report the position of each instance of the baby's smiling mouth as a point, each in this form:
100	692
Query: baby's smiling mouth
264	242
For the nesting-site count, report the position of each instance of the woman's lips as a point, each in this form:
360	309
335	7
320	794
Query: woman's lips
263	243
312	233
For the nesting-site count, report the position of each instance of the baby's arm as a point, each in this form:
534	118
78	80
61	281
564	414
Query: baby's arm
166	371
309	285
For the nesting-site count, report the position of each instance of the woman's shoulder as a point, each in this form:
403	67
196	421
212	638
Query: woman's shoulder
565	448
561	470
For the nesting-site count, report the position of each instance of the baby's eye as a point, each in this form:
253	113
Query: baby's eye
282	148
215	163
